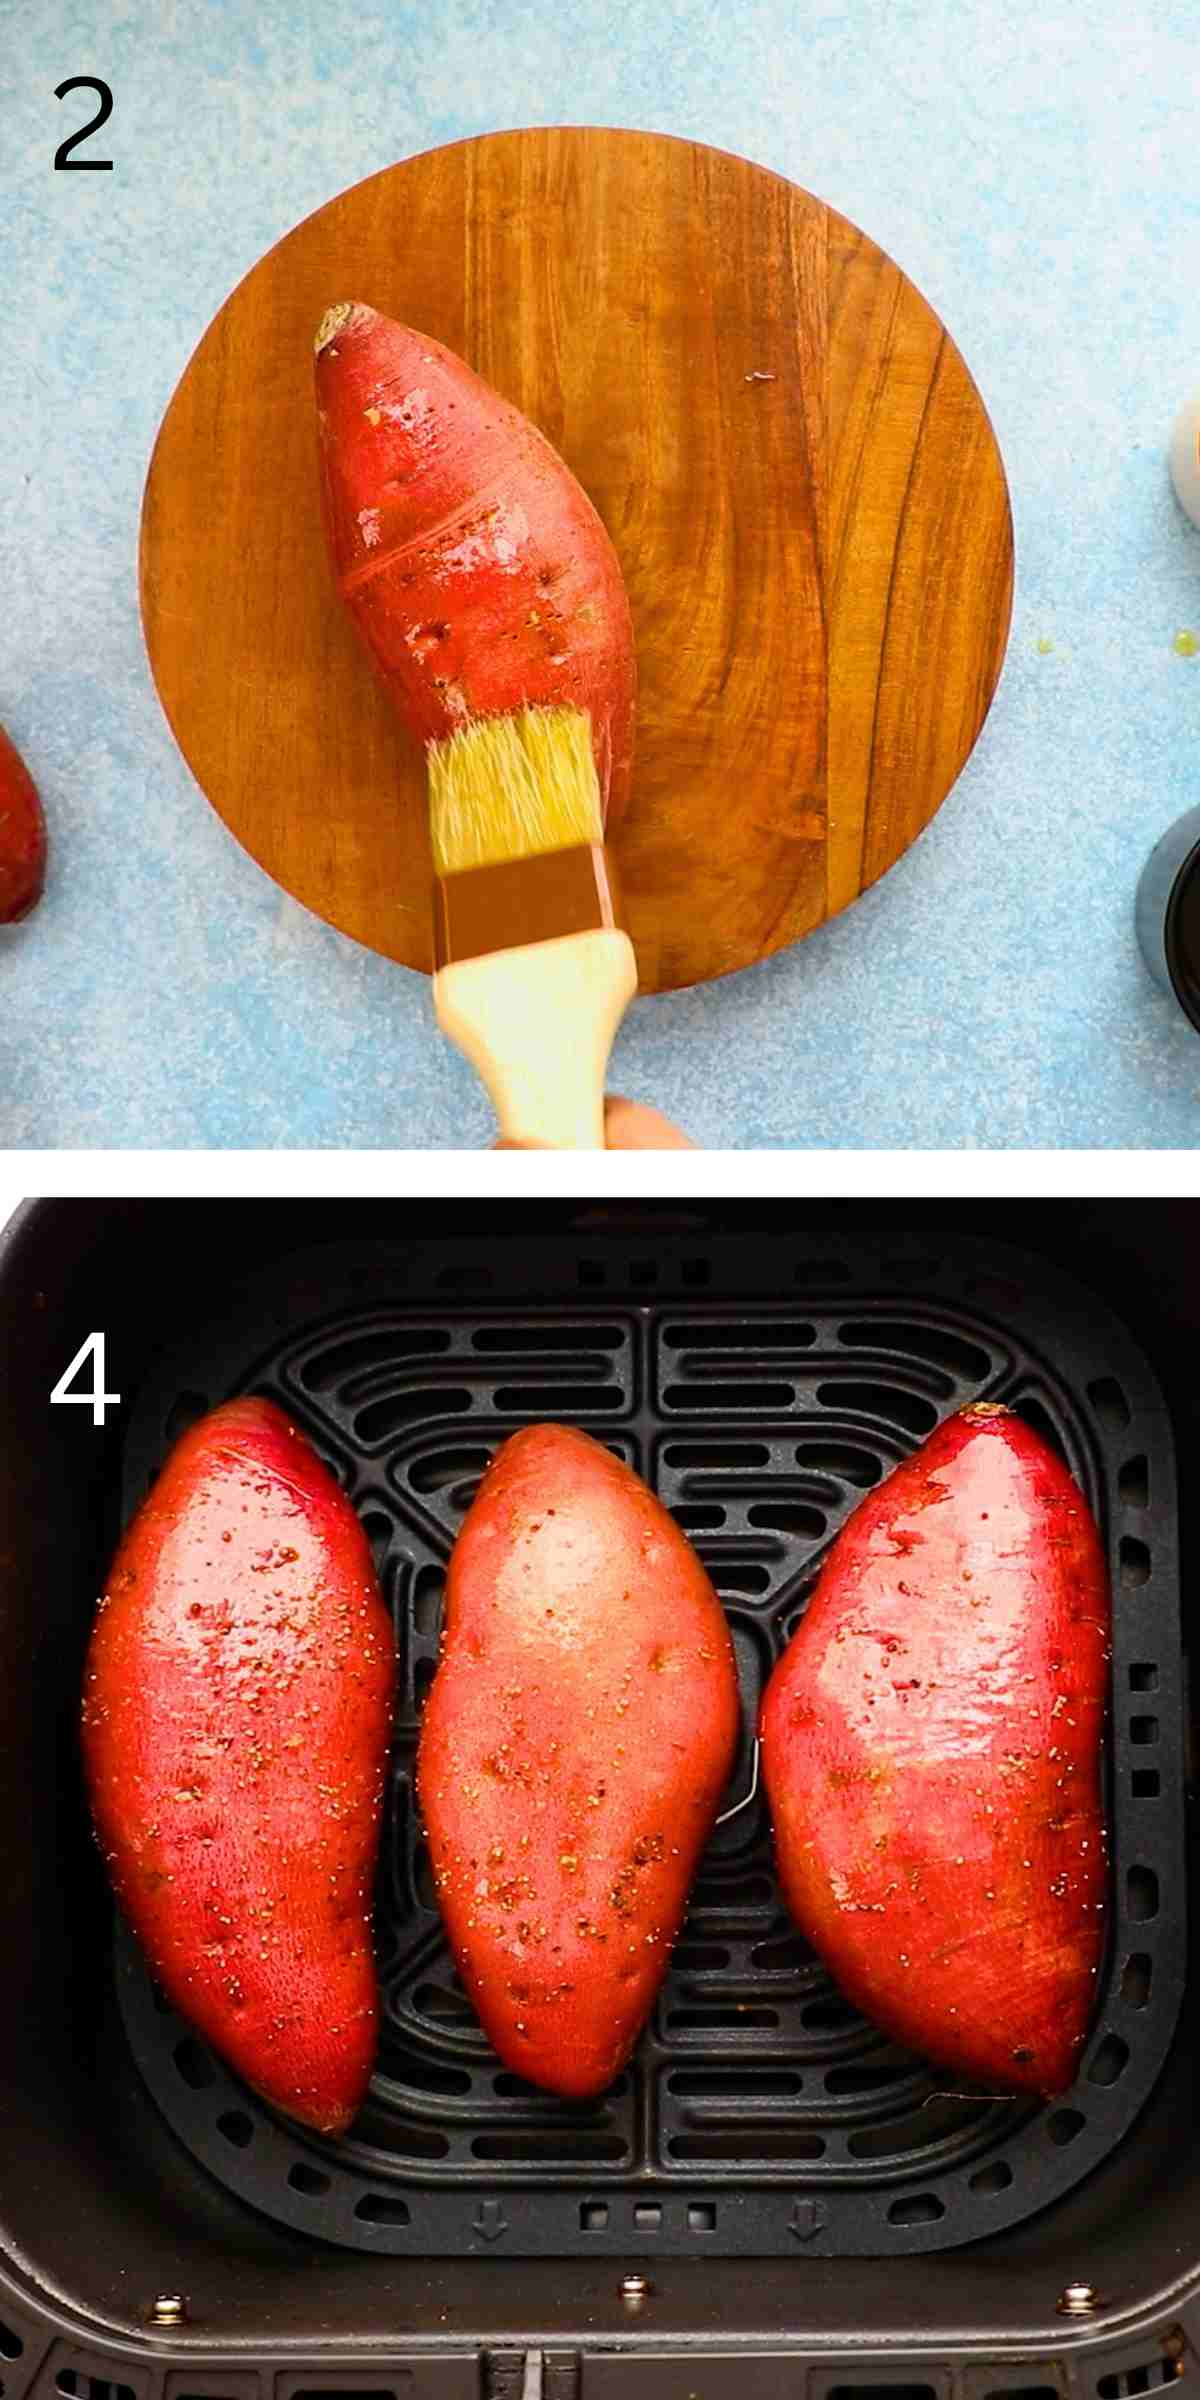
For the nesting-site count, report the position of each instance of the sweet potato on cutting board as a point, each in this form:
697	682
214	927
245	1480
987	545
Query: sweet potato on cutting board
237	1713
931	1745
576	1740
22	836
473	564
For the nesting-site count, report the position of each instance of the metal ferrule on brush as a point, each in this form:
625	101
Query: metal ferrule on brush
522	900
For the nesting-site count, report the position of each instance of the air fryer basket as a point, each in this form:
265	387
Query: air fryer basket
773	2194
760	2112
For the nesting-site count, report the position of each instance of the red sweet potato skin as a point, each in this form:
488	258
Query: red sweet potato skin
473	564
22	836
237	1713
575	1743
931	1746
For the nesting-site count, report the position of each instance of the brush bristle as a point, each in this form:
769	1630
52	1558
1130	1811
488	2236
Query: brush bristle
513	787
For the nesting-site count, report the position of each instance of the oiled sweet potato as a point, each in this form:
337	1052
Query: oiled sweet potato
474	565
236	1720
575	1743
22	836
931	1745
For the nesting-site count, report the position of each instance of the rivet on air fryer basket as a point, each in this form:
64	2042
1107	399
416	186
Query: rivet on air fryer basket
170	2308
635	2291
1079	2300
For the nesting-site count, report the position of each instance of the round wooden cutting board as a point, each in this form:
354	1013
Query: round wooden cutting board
796	468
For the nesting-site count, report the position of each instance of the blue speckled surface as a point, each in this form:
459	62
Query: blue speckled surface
1032	168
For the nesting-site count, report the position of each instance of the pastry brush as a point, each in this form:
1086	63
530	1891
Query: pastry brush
534	969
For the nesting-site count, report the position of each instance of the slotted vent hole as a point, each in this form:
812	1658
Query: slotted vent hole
1143	1679
696	1958
344	2392
308	2180
843	1460
1135	1563
740	1575
1063	2124
423	1883
429	1585
382	1417
1141	1887
761	2143
788	1516
410	2140
789	1952
693	1517
1110	2061
325	1369
80	2386
559	1399
883	1400
995	2177
772	1333
1026	2391
738	2017
709	1397
1136	1977
962	1360
421	2075
882	2391
831	2015
382	2208
563	2142
1110	1404
732	1458
446	1467
1035	1414
750	2083
1149	2375
237	2128
853	2081
11	2345
1133	1483
919	2129
378	1530
444	2005
920	2208
195	2065
553	1335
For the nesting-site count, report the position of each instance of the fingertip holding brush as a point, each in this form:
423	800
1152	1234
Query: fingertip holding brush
490	597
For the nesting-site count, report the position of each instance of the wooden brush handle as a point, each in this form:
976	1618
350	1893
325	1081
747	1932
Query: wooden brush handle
537	1024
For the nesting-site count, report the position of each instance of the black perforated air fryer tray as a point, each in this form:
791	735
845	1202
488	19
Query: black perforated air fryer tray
761	2116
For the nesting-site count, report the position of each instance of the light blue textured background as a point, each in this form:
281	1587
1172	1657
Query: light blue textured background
1035	168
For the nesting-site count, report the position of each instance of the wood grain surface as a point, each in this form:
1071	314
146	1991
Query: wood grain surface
796	468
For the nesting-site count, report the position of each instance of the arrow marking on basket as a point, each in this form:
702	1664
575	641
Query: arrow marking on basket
808	2217
490	2221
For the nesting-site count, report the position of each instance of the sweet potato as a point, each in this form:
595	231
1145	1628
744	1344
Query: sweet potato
22	836
575	1743
931	1746
236	1719
473	564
